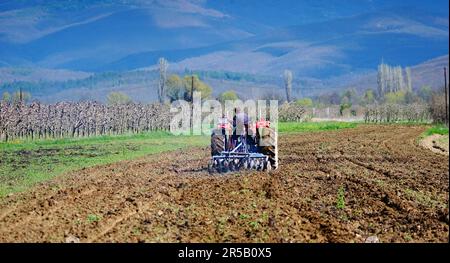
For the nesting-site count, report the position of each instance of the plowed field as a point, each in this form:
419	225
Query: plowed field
340	186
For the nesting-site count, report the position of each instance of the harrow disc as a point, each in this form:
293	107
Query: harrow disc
257	165
244	164
235	164
231	166
267	166
225	167
211	166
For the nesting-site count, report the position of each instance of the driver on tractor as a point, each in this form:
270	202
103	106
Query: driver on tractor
240	127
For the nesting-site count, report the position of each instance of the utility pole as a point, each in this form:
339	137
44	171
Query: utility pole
192	89
20	95
446	95
192	103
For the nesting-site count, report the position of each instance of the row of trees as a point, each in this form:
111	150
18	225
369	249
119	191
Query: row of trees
175	88
416	112
16	97
291	112
370	96
351	98
394	83
68	119
394	86
182	88
393	79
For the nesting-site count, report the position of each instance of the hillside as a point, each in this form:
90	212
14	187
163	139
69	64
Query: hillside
141	84
428	73
84	49
39	74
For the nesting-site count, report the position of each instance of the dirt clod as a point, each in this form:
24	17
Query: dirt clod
72	239
372	239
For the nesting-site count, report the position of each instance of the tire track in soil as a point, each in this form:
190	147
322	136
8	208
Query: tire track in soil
171	198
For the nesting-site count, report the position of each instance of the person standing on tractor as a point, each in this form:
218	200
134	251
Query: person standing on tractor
240	125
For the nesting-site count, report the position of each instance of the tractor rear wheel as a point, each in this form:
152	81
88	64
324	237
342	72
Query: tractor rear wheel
268	145
217	143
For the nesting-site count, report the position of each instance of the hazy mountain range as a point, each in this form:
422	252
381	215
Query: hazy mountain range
327	44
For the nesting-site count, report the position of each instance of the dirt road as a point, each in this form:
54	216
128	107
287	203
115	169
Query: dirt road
391	188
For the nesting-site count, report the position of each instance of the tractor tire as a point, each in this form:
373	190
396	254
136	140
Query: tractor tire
217	143
268	145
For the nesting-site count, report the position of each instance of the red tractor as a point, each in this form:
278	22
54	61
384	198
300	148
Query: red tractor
256	148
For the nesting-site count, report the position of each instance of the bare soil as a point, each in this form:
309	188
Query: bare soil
394	189
436	143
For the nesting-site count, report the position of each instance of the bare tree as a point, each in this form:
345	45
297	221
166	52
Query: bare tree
408	79
399	80
288	84
381	80
163	65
